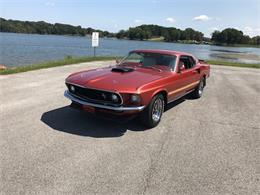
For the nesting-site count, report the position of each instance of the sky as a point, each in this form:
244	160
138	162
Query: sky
114	15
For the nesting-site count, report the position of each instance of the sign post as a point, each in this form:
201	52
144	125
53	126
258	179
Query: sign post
95	41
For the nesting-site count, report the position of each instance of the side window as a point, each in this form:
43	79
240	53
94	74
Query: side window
192	61
184	60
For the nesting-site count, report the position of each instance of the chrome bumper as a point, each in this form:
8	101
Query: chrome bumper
68	95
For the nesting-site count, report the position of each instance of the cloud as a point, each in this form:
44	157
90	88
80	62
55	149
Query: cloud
202	18
114	22
171	20
248	30
213	28
138	21
50	4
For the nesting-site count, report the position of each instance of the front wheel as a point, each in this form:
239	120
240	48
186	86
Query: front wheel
152	114
197	93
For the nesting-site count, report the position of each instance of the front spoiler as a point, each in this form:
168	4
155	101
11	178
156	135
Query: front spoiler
68	95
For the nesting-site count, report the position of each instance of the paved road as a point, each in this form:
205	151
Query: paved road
205	146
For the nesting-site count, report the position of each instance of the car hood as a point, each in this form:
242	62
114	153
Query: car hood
105	79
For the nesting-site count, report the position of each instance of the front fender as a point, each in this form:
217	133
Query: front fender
148	95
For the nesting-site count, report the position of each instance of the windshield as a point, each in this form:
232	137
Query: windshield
149	59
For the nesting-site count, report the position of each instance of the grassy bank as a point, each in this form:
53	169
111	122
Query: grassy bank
237	45
66	61
156	39
161	39
75	60
225	63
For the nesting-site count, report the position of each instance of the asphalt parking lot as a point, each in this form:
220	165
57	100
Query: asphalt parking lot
205	146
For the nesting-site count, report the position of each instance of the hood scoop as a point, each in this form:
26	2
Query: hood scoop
122	69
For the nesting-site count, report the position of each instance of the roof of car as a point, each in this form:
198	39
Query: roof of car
161	51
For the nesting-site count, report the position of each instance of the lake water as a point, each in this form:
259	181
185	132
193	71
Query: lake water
23	49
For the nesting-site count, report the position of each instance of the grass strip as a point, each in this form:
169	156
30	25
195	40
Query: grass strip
66	61
236	64
74	60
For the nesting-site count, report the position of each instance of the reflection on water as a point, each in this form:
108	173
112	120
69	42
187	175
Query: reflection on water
228	51
21	49
237	56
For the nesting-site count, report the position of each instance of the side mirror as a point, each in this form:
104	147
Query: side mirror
181	68
117	61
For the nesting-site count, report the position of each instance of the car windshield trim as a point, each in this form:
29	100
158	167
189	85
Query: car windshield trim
149	59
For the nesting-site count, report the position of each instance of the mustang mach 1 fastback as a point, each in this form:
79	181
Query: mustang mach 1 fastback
143	83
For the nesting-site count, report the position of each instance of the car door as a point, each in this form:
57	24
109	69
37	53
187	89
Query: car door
195	70
183	79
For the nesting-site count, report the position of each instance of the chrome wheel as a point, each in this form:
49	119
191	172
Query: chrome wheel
152	114
157	109
201	86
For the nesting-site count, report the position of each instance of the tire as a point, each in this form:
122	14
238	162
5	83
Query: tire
152	114
197	93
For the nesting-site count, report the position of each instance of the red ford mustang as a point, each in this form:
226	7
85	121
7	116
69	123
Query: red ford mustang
143	83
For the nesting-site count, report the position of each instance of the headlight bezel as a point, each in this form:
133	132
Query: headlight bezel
135	98
115	98
128	101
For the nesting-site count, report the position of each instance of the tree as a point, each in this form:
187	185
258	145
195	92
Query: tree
42	27
170	34
142	32
255	40
215	37
121	34
230	36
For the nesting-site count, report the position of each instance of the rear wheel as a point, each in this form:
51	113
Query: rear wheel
197	93
152	114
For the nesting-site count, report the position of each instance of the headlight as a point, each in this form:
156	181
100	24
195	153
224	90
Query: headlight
114	98
72	88
135	98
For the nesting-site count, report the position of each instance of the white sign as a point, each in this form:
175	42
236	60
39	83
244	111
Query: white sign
95	39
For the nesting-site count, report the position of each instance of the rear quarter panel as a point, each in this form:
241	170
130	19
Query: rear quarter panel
204	67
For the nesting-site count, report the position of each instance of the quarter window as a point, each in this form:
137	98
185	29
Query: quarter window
188	61
192	61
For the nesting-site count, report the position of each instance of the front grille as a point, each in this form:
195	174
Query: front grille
93	95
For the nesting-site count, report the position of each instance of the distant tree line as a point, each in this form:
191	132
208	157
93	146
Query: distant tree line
144	32
42	27
231	36
169	34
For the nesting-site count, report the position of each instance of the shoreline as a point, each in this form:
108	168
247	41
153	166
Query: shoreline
50	64
77	60
148	40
